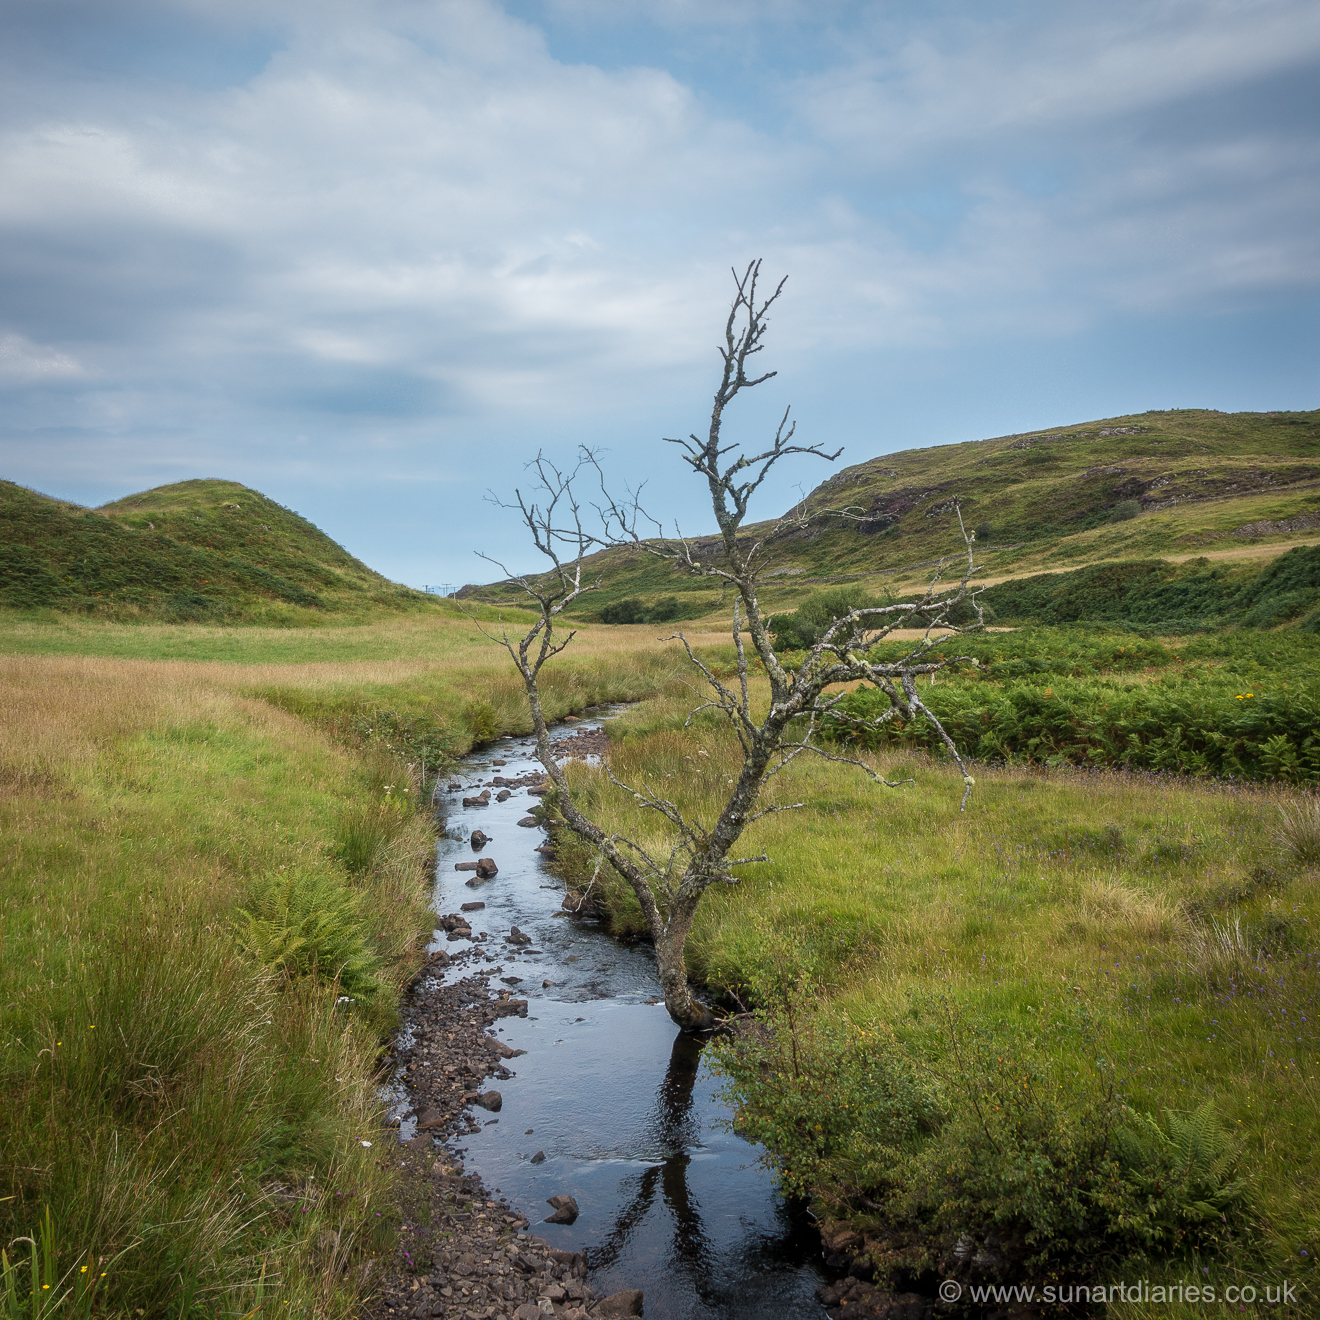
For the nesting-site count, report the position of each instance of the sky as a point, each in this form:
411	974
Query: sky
371	256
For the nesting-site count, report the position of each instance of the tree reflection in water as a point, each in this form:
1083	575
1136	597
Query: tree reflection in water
726	1284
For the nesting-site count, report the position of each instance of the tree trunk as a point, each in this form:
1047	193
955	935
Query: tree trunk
687	1012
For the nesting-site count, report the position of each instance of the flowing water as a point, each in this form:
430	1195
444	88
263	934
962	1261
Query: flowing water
621	1105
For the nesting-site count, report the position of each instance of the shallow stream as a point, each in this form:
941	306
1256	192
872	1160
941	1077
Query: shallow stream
621	1105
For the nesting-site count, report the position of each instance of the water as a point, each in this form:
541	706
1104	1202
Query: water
620	1102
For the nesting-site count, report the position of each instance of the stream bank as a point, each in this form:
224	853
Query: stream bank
601	1099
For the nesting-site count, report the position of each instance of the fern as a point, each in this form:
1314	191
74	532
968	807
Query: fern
308	924
1187	1174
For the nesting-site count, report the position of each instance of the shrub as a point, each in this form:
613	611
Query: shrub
629	610
965	1136
1125	510
802	629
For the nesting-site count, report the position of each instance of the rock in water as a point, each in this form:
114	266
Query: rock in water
486	868
491	1100
478	839
625	1303
565	1212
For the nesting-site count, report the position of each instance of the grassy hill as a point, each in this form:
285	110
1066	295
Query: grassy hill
1232	488
193	551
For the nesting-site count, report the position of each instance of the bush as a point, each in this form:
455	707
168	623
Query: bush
1125	510
801	630
634	610
960	1134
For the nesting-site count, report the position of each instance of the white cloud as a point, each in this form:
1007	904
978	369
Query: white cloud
23	362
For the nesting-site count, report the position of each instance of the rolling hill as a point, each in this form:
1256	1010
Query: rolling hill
197	550
1228	490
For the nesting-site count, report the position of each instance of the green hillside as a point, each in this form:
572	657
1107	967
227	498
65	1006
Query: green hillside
196	550
1166	486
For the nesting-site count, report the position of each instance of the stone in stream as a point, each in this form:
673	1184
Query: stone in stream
465	866
481	800
478	839
565	1209
486	868
429	1119
491	1100
538	1158
625	1303
497	761
529	823
473	907
515	936
503	795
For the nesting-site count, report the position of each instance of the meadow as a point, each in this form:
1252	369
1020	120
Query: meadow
1077	1020
216	886
216	883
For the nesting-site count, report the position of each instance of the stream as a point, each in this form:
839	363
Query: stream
619	1103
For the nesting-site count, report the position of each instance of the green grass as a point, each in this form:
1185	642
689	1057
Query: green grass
1172	916
196	551
1043	504
185	1100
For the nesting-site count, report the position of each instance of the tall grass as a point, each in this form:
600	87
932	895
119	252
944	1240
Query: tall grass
185	1104
1163	910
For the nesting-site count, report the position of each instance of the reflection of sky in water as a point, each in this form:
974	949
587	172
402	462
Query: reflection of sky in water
618	1100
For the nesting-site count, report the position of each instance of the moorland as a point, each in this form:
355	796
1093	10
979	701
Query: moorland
1079	1018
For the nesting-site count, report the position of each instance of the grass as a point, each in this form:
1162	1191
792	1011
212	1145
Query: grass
190	1116
200	551
233	820
1166	911
1048	504
215	884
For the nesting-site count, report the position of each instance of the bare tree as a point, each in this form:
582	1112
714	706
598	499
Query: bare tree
771	735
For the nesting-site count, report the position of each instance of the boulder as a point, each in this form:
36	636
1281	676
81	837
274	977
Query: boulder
508	1007
478	839
565	1212
482	801
529	823
624	1303
429	1119
503	795
538	1158
515	936
491	1100
465	866
498	761
473	907
486	868
539	790
528	1311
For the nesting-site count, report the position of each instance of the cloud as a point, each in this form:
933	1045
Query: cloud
23	362
419	232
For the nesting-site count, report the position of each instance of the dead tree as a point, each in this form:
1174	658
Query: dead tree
669	887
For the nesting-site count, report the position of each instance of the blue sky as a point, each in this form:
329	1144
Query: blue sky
368	256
